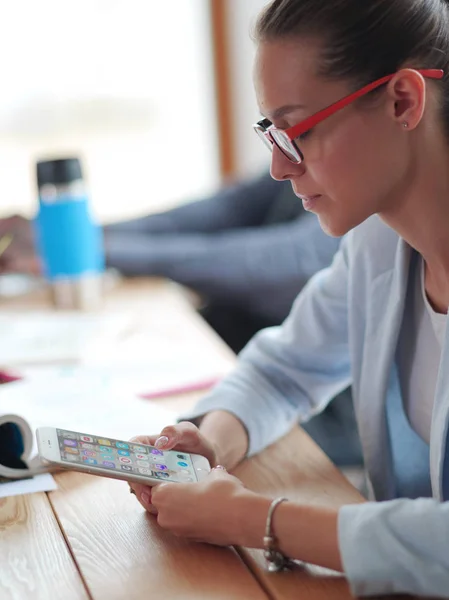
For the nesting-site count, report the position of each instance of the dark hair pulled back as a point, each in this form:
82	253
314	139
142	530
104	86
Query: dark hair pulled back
363	40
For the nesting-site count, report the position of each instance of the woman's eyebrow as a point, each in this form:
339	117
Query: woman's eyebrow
280	112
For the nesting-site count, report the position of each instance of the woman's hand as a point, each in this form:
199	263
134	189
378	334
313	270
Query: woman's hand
184	437
20	256
205	511
201	511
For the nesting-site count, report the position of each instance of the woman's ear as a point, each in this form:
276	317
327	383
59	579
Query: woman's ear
407	91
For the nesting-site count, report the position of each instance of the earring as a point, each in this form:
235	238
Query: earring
405	125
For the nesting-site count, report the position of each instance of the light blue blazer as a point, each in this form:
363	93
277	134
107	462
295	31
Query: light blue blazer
344	329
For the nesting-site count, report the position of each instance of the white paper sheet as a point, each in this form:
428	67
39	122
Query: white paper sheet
151	356
40	483
43	338
152	380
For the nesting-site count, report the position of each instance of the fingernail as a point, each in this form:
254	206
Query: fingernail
220	468
145	497
161	442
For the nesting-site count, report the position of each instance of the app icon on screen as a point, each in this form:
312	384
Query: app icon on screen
183	464
106	449
142	456
126	467
108	464
88	453
142	463
181	456
89	461
145	471
104	442
122	445
87	438
139	449
157	452
71	450
123	452
125	460
70	436
161	467
106	457
73	458
162	475
72	443
87	446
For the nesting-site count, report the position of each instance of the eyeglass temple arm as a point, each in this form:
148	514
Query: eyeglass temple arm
297	130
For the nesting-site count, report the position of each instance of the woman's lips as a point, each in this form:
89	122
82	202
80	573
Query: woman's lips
309	202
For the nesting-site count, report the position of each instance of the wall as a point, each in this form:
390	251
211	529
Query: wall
252	156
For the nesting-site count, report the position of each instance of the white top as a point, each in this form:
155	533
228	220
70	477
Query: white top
420	349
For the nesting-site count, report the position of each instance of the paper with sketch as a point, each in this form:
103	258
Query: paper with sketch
39	483
44	337
90	404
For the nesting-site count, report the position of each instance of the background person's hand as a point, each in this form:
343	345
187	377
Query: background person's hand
20	256
185	437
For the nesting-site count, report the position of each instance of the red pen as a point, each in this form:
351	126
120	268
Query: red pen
8	377
197	386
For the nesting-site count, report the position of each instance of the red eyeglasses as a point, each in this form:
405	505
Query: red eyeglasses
285	138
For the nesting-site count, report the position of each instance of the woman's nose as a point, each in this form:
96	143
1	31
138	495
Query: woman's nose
282	168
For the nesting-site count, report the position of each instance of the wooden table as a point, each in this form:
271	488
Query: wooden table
90	539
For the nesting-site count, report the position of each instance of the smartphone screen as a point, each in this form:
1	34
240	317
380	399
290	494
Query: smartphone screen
107	453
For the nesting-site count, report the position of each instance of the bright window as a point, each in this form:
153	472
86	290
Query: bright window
126	84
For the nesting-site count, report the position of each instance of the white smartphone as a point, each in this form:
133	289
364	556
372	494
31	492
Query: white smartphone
119	459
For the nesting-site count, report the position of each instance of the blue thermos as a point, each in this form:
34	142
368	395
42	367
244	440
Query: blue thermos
68	240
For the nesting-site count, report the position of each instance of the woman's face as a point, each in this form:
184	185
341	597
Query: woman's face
355	162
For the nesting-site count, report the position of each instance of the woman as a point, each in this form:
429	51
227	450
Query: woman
374	165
